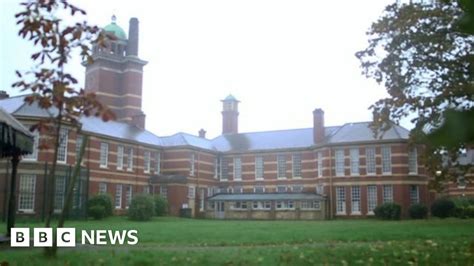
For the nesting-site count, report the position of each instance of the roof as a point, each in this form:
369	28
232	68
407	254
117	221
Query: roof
14	137
115	29
349	133
229	98
266	196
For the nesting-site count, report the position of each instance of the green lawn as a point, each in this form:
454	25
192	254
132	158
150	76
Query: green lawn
174	241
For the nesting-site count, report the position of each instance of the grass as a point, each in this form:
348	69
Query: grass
174	241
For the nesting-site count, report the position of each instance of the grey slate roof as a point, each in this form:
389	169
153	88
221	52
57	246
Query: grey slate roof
242	142
266	196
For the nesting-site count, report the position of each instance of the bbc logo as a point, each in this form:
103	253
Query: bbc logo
43	237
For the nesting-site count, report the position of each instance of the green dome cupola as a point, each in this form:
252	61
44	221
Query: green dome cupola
115	29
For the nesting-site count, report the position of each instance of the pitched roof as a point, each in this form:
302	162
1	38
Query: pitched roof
241	142
267	196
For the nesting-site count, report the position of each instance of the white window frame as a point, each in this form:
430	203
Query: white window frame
120	157
297	188
310	205
164	191
296	165
104	155
224	169
371	198
118	196
355	200
354	161
62	148
320	163
341	200
413	161
157	162
130	160
414	194
277	189
191	192
102	188
128	196
386	152
339	162
237	168
192	162
284	205
27	193
79	141
259	167
281	166
370	161
387	193
217	167
146	162
34	155
59	193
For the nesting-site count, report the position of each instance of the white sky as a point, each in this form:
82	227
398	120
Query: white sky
281	59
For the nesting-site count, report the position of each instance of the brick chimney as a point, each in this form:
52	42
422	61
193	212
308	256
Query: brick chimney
318	126
202	133
3	95
138	120
132	46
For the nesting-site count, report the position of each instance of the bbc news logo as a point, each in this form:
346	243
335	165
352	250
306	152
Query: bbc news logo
66	237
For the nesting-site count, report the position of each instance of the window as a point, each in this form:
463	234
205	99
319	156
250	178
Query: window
354	152
192	162
157	162
355	200
104	154
320	189
230	190
128	196
259	189
297	165
386	160
202	193
146	190
79	141
191	192
238	190
146	161
340	200
371	198
284	205
412	161
34	154
118	196
62	149
414	194
261	205
26	197
224	169
130	160
310	205
217	167
59	192
339	162
281	189
239	205
119	157
370	160
102	188
164	191
259	167
387	193
320	164
297	188
237	168
281	161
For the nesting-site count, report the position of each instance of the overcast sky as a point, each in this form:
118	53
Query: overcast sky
281	59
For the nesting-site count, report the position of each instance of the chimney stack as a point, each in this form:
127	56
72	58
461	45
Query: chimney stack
132	47
202	133
138	120
318	126
3	95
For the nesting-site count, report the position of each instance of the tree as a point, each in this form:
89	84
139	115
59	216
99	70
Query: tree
52	87
420	53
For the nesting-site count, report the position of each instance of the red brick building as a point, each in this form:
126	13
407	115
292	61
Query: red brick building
333	171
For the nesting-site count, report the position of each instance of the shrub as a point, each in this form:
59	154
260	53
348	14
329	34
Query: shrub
96	211
102	200
142	208
442	208
418	211
388	211
161	206
464	207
